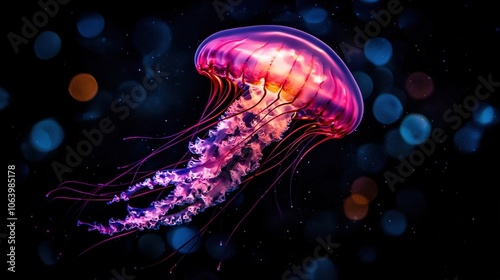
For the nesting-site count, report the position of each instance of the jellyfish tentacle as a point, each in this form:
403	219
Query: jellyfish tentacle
219	161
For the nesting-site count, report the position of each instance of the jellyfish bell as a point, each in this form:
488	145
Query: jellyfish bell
270	76
295	65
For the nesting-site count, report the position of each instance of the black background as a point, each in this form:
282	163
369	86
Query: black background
455	236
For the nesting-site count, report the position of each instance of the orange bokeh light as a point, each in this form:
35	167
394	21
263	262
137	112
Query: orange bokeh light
83	87
353	210
364	190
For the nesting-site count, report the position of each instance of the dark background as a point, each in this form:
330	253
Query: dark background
452	227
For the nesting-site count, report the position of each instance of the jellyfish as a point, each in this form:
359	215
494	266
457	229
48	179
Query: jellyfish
279	83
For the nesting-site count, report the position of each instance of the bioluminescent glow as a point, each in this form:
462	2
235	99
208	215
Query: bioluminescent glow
270	76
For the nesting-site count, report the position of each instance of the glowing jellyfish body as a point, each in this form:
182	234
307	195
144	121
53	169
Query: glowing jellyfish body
282	74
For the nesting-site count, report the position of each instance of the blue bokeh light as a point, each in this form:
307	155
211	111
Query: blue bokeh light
46	135
467	139
315	15
4	98
378	51
393	222
485	115
47	45
387	108
90	24
184	239
415	129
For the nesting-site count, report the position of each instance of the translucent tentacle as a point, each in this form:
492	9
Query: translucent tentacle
229	152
